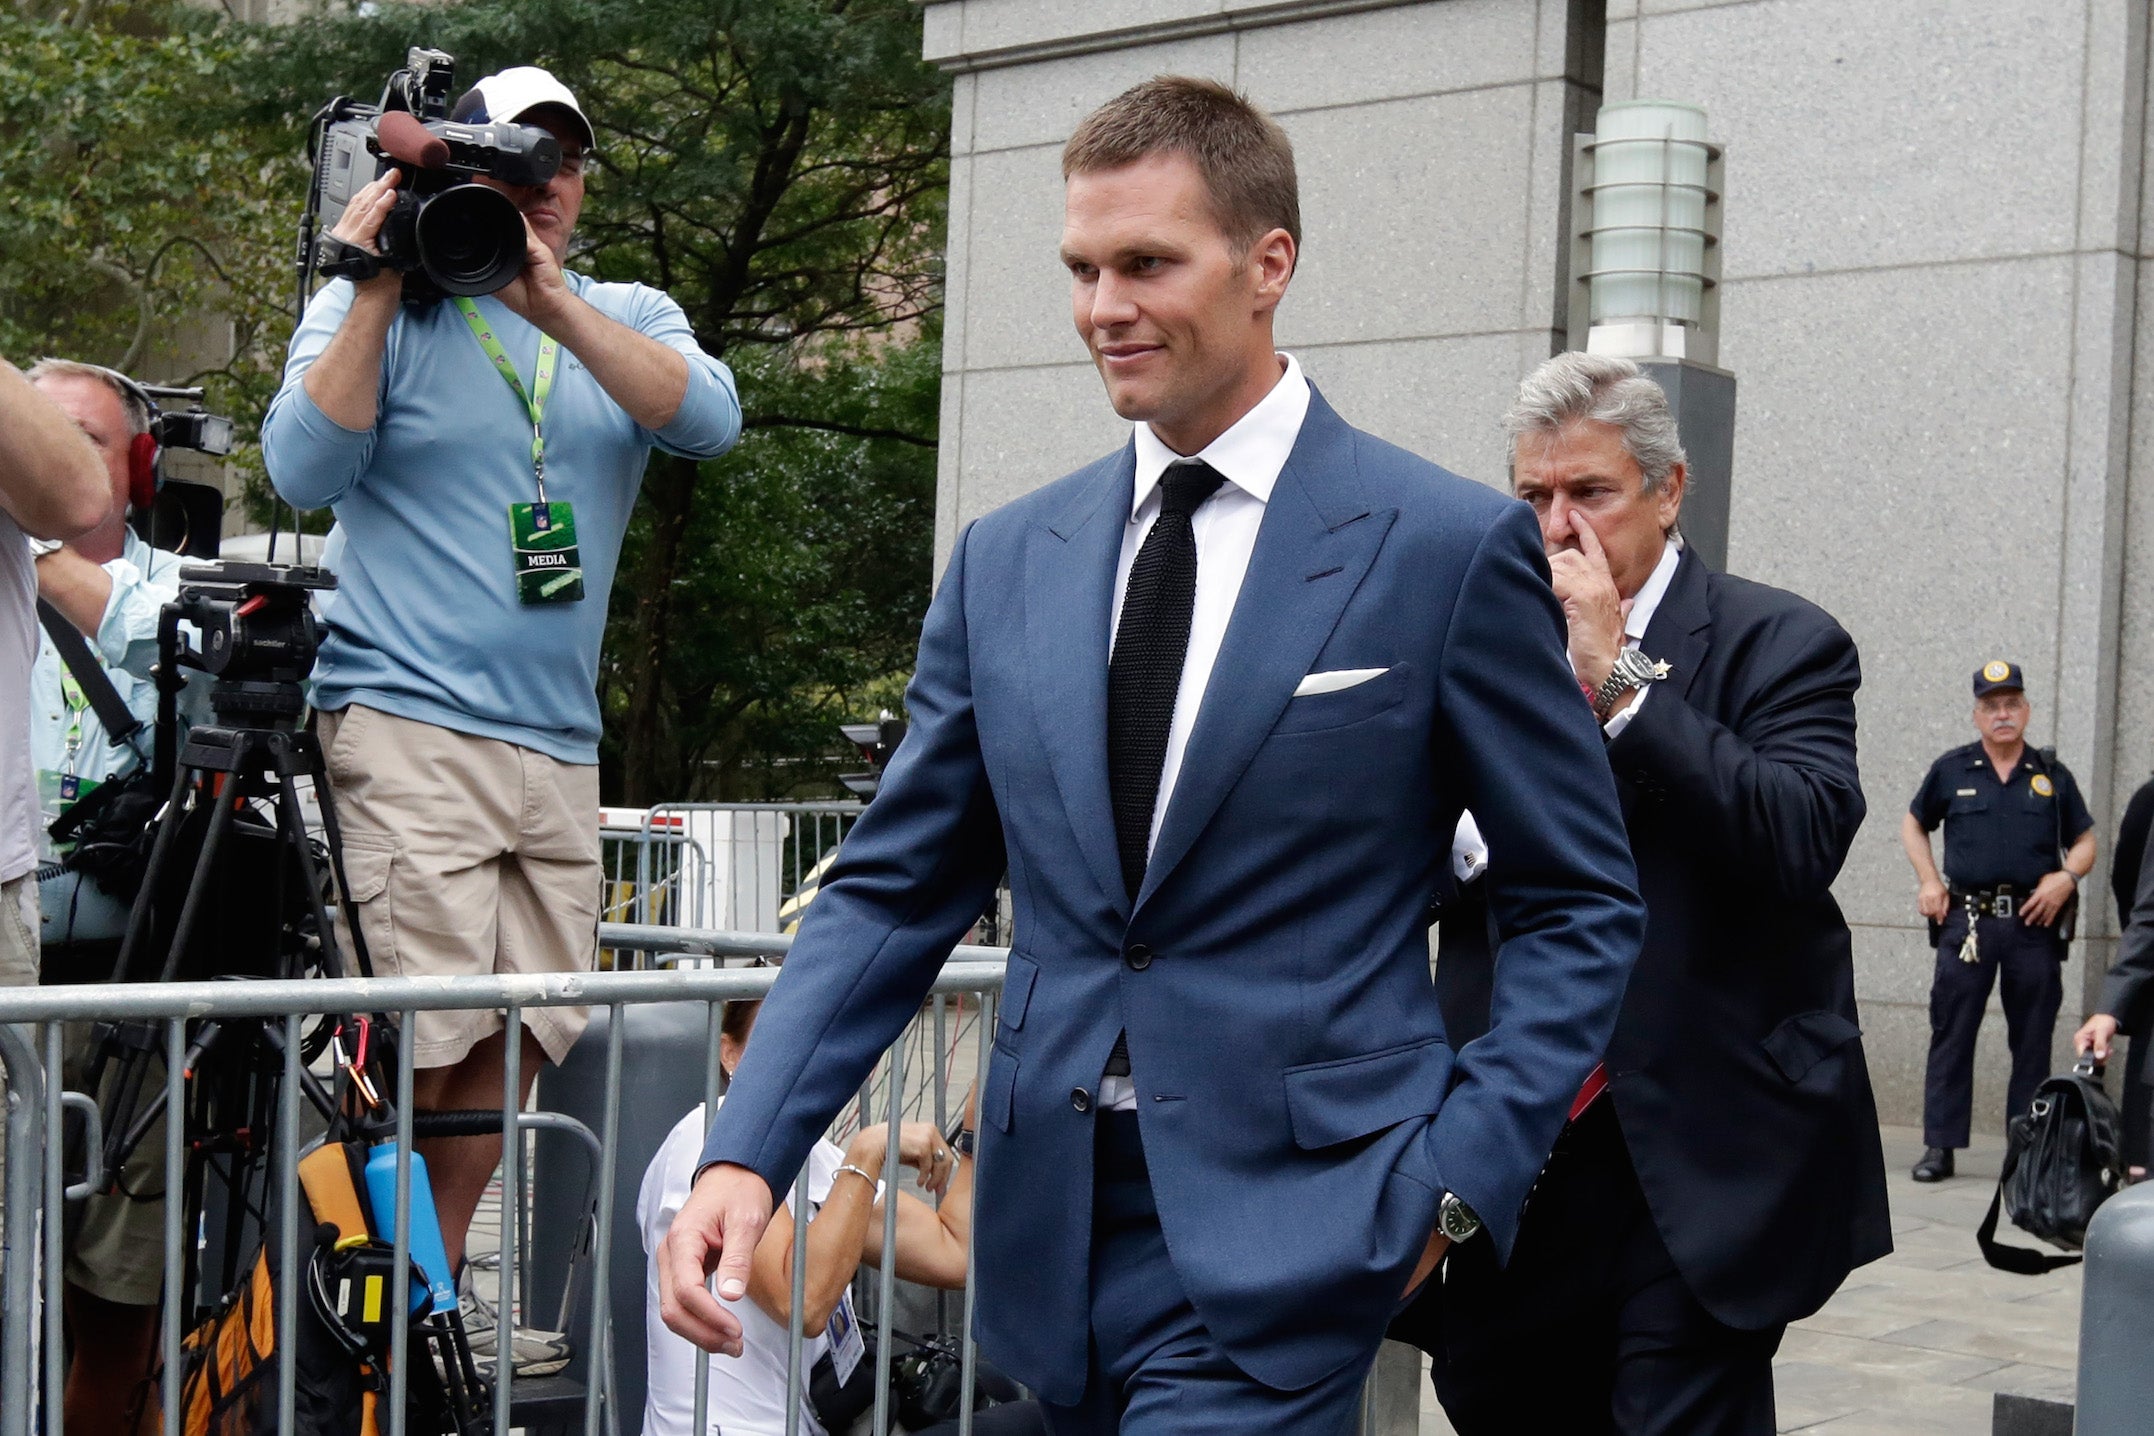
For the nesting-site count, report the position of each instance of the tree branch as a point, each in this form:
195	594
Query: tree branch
831	426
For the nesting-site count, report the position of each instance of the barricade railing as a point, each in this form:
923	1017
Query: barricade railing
738	866
30	1045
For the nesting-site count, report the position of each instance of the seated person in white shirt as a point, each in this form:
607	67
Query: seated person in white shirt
845	1228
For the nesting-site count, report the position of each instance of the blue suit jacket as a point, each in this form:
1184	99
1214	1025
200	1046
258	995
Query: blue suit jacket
1301	1109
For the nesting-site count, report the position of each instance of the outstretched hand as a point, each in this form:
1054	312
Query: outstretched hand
716	1230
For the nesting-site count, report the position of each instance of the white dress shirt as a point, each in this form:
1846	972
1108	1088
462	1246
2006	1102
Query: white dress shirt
1249	456
1469	851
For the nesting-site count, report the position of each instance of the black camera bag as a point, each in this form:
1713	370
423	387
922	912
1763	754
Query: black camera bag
2062	1160
111	827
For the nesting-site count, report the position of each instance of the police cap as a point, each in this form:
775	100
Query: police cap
1995	675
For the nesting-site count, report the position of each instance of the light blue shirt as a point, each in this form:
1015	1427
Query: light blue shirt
65	741
426	623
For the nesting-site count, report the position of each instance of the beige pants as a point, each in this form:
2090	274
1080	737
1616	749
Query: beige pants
465	855
18	957
116	1242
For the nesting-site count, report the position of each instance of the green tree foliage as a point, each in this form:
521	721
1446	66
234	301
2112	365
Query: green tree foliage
778	167
139	201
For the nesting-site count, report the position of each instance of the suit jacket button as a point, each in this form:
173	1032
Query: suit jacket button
1080	1099
1139	957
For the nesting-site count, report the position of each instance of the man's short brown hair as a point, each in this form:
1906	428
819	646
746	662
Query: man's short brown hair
1246	160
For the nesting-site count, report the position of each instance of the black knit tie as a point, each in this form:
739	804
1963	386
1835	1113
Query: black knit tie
1146	671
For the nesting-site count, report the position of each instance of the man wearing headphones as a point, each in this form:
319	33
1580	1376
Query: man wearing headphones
110	586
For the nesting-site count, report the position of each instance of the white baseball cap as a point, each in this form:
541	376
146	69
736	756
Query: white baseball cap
516	92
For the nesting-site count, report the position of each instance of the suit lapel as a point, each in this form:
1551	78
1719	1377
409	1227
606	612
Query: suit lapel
1070	562
1681	626
1316	542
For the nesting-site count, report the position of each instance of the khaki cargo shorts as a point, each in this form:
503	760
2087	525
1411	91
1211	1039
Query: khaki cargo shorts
115	1241
18	957
465	855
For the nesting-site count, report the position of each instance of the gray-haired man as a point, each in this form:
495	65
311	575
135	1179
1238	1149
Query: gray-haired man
1721	1173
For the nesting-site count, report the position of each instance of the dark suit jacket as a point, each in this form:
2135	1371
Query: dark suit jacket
2128	989
1736	1067
1300	1105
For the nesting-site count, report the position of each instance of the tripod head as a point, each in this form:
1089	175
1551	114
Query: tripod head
258	638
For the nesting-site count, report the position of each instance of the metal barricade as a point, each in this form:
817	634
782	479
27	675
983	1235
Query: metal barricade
30	1046
916	1080
654	874
742	867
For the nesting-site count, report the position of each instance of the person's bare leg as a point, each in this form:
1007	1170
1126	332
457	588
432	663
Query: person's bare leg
460	1167
115	1345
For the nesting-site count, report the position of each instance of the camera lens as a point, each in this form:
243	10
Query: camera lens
471	239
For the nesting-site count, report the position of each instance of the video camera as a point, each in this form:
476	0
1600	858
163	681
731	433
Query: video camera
193	427
446	234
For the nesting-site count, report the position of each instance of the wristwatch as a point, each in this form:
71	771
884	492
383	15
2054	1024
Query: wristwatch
964	1141
1455	1219
1632	670
40	547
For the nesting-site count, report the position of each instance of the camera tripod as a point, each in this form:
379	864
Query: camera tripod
258	644
248	900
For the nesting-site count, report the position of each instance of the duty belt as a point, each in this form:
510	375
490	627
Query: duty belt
1982	902
1999	901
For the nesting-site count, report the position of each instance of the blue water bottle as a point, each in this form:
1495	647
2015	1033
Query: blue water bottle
426	1246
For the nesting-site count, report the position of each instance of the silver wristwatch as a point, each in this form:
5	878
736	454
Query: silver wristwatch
1632	670
1455	1219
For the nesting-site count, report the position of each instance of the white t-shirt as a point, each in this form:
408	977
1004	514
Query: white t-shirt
18	650
747	1392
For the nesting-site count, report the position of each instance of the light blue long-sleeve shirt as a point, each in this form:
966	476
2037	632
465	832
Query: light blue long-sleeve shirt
66	740
426	623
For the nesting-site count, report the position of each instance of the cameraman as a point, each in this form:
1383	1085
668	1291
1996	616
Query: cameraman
460	724
113	587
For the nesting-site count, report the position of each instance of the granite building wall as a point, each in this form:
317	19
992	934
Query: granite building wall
1932	268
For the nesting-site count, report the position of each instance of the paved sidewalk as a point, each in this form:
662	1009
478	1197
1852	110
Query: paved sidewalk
1917	1343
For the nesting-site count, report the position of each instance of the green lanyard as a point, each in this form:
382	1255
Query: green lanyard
534	400
71	693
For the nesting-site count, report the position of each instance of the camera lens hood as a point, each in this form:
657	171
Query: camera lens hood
470	239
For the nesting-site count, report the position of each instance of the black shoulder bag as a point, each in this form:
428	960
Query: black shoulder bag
2061	1162
110	829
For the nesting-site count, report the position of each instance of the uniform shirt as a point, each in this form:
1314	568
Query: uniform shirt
69	740
2014	832
18	646
426	623
747	1392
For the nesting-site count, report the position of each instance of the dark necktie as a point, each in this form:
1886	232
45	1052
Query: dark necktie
1146	672
1150	643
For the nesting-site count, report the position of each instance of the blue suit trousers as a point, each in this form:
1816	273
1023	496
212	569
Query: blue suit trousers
1154	1369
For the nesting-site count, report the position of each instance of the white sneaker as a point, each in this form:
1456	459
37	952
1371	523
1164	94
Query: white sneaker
532	1352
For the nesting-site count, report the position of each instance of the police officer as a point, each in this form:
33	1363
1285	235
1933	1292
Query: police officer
2008	812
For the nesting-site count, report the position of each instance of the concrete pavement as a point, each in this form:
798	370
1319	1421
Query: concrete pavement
1918	1343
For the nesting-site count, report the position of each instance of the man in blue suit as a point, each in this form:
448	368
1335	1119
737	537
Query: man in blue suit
1216	702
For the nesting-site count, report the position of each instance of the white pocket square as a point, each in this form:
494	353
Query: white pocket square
1335	680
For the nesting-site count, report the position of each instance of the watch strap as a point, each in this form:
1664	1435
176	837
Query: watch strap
1632	670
